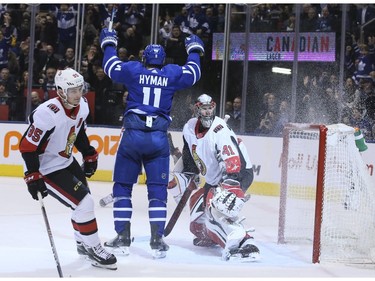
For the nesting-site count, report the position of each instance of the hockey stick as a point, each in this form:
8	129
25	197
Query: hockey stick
173	150
50	235
180	206
110	24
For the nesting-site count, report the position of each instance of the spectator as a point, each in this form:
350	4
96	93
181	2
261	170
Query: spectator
165	32
182	21
267	124
35	100
365	13
5	40
123	54
105	11
66	26
235	116
132	15
5	96
290	23
9	81
325	22
310	23
89	30
48	83
117	116
130	40
197	21
270	104
175	47
364	90
282	118
103	104
220	18
68	60
44	59
228	107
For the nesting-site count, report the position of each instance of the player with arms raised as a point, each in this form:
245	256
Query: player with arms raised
212	149
56	126
151	87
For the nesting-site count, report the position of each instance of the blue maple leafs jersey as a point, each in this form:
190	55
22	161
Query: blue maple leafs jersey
151	90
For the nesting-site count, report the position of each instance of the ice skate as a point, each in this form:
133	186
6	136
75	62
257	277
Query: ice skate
81	250
121	243
157	244
99	257
247	252
106	200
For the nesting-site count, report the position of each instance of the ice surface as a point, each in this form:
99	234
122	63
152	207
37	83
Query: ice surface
26	251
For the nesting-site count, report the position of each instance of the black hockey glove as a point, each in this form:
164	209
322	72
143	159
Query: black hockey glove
90	164
35	184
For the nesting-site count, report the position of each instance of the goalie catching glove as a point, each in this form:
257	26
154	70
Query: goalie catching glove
228	198
107	38
193	44
35	184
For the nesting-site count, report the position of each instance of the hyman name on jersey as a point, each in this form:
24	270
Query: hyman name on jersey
153	80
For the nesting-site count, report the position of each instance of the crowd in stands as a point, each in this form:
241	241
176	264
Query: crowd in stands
55	43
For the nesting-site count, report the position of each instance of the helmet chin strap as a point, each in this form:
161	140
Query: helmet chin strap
65	101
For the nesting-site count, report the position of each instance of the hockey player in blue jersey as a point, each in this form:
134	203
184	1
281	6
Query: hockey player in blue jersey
151	87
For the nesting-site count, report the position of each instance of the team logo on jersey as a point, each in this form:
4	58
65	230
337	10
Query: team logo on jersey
200	164
69	144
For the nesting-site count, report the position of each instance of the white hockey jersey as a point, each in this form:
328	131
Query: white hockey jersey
54	130
217	142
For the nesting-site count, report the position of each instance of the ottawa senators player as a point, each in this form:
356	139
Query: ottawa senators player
55	127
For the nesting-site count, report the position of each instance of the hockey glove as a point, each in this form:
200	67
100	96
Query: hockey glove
35	184
90	164
107	38
227	202
193	44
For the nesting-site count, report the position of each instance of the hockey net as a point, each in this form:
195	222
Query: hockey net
326	194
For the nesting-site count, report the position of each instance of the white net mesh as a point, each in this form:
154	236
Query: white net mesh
348	210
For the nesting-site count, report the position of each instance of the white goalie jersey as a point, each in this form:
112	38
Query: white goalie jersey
217	149
53	131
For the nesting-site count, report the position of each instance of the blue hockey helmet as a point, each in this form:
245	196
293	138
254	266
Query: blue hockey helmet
154	55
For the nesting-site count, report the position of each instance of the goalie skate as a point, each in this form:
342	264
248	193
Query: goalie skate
247	253
99	257
106	200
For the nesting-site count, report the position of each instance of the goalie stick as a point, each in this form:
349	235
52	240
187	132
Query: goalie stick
180	206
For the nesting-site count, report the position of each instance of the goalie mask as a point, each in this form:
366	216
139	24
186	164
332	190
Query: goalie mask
205	109
69	84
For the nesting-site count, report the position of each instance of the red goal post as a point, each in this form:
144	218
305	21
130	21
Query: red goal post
327	199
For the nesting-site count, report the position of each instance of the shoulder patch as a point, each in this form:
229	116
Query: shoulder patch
53	107
218	128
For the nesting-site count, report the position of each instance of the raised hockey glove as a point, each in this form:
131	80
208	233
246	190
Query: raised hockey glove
107	38
35	184
90	164
193	44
